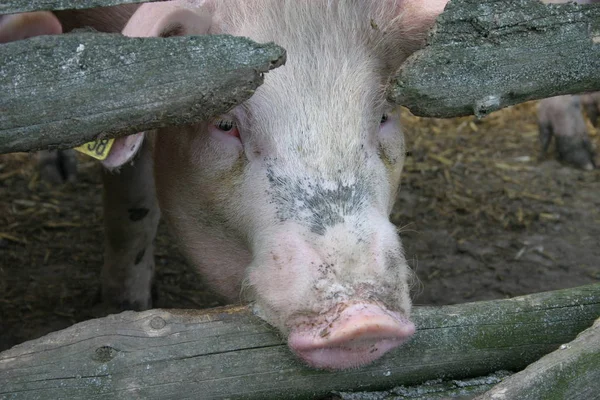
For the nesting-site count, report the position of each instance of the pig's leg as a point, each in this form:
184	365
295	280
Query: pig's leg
545	135
57	166
131	216
593	113
592	109
577	151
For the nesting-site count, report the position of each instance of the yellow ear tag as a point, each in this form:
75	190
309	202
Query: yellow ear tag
99	149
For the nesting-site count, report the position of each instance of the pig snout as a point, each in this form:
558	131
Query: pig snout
340	297
348	336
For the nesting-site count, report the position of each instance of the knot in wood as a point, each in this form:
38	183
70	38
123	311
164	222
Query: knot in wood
157	323
104	354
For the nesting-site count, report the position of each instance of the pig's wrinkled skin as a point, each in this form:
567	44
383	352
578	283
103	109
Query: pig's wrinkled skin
284	200
562	117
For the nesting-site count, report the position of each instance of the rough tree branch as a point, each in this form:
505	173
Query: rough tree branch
18	6
65	90
484	55
570	373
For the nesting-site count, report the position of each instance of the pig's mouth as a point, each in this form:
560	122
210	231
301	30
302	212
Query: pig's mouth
353	336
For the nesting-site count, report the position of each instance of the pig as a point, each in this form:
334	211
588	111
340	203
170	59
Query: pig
283	201
591	104
562	117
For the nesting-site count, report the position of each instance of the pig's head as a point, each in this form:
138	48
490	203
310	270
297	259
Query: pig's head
285	200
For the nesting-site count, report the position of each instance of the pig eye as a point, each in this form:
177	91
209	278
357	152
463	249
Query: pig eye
227	126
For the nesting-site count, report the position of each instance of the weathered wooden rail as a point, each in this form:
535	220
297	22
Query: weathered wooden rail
482	56
18	6
485	55
228	353
65	90
570	373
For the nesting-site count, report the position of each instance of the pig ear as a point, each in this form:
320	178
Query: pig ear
167	19
26	25
123	150
155	19
406	24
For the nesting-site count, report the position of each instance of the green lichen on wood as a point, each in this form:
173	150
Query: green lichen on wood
18	6
484	55
570	373
65	90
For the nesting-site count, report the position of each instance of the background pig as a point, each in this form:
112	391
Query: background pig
284	200
562	117
591	103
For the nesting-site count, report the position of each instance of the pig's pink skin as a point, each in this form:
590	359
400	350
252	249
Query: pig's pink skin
170	18
348	337
26	25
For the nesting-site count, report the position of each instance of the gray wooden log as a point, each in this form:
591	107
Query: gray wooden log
570	373
484	55
436	389
65	90
228	353
18	6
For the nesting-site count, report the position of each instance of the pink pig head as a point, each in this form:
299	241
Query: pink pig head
284	200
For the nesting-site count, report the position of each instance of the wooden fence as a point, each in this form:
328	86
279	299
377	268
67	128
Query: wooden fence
483	55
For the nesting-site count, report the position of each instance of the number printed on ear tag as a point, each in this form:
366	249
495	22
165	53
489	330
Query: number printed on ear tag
98	149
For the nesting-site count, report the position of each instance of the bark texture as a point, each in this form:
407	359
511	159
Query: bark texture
570	373
484	55
65	90
18	6
229	353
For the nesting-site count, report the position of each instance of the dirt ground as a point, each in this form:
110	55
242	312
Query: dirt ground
480	215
